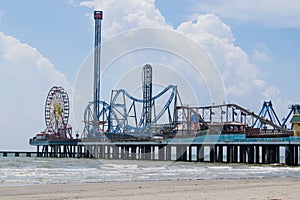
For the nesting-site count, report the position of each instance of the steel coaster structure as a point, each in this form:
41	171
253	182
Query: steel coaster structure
125	119
126	116
123	116
229	119
267	111
96	125
120	119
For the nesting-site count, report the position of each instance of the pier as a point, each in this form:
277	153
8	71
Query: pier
250	151
18	154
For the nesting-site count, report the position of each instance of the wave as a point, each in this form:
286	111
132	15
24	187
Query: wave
32	171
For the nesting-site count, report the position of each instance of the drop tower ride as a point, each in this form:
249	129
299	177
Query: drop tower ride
98	15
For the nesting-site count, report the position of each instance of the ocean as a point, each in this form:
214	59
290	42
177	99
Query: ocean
16	171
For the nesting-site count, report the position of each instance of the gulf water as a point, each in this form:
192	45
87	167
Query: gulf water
32	171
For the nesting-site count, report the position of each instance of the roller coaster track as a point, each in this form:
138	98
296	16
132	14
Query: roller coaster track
118	117
120	122
263	120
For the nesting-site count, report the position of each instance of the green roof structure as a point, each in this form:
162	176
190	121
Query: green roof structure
295	119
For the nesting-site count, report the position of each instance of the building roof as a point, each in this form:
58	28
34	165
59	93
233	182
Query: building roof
295	119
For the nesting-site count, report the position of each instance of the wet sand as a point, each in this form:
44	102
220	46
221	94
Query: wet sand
272	189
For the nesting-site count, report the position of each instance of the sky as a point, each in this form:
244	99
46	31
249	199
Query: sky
253	44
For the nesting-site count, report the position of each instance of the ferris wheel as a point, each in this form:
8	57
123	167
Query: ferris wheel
57	112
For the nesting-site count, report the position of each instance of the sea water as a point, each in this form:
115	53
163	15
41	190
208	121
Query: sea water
31	170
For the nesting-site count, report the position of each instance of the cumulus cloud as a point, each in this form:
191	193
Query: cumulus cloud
217	40
243	80
121	15
26	77
241	77
275	13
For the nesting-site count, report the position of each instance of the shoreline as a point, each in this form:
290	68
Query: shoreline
264	188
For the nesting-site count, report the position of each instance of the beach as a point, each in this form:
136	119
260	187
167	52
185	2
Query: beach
265	188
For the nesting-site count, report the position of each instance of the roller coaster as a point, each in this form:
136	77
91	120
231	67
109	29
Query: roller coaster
232	118
128	118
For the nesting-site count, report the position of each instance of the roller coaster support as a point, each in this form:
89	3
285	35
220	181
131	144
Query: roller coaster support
267	110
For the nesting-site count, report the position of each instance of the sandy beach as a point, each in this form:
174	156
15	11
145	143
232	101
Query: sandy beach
273	188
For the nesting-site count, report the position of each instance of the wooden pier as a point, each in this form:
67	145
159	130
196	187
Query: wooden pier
18	154
254	152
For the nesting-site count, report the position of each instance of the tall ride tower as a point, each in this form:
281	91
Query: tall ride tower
147	94
97	57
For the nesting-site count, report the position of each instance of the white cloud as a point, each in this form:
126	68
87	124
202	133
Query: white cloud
121	15
72	2
242	79
218	41
25	78
216	38
261	52
280	105
209	27
276	13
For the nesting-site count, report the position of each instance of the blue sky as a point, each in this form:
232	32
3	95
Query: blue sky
254	45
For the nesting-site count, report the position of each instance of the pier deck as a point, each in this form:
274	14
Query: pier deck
210	148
